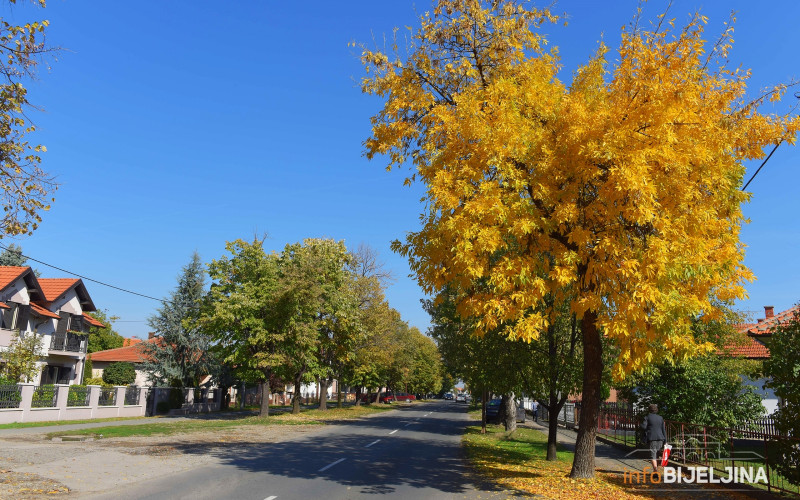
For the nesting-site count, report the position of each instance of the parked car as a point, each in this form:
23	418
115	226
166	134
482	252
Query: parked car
461	398
493	410
448	395
388	397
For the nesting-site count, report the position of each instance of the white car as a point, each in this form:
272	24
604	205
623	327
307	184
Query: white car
461	398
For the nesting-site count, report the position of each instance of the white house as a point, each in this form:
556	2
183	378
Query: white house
55	311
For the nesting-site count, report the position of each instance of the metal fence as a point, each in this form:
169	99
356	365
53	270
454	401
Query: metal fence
44	396
107	396
78	396
754	443
132	395
10	396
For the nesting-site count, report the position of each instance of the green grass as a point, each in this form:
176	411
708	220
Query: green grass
167	428
520	446
23	425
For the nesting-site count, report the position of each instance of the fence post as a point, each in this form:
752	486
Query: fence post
26	395
766	463
94	397
119	397
62	395
683	445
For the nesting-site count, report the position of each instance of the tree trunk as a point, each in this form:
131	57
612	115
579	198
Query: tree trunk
339	403
298	385
484	395
358	396
552	437
323	393
509	412
265	394
583	463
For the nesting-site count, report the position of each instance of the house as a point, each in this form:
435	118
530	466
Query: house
755	346
131	352
53	309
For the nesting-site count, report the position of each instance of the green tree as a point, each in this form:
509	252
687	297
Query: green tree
101	339
244	315
726	401
783	370
182	350
426	370
12	256
22	356
119	373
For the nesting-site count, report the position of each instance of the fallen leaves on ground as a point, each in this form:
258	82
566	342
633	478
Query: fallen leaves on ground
517	462
26	485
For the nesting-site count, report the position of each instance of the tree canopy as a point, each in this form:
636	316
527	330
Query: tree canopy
628	178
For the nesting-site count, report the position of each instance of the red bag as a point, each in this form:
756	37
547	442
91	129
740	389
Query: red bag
665	456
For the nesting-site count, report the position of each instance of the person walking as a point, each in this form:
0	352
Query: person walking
655	433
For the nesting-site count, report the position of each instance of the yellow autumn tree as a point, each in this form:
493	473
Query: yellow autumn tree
622	186
24	187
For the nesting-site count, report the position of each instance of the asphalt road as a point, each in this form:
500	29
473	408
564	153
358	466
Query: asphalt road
413	452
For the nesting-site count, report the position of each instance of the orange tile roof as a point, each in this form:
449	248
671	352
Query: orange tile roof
53	288
93	321
767	326
130	342
10	274
752	349
131	354
41	311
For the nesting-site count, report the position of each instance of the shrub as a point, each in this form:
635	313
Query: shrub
96	381
163	407
7	381
120	373
87	369
176	398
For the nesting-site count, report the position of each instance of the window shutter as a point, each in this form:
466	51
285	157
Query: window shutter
22	316
63	322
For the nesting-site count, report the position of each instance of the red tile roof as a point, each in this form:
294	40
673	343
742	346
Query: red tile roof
41	311
767	326
131	354
53	288
129	342
752	349
93	321
10	274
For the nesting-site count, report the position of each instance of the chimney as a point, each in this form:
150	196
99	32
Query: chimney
150	335
769	311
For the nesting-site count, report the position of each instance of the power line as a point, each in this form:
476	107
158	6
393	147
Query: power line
762	165
86	277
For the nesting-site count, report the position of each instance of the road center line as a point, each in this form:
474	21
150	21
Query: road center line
374	442
408	424
331	465
273	497
393	431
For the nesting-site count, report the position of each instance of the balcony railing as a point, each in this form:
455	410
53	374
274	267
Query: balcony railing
68	342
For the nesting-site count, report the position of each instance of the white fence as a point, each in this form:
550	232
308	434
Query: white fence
59	405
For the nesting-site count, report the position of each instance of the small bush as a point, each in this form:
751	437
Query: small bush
96	381
120	373
176	398
163	407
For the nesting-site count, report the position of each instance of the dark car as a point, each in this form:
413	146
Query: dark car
388	397
493	411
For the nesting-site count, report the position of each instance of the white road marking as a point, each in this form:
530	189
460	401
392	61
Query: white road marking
393	431
273	497
331	465
408	424
374	442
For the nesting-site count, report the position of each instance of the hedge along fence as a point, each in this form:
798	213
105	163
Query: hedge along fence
45	396
78	395
10	396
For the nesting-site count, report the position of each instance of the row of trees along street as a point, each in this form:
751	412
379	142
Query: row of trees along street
616	196
313	313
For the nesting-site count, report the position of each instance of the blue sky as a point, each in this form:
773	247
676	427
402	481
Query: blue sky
177	126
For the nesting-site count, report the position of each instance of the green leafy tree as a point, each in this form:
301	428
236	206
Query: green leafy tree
182	349
22	356
25	189
101	339
783	370
119	373
726	401
426	370
244	315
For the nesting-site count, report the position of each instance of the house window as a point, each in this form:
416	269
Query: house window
56	375
9	316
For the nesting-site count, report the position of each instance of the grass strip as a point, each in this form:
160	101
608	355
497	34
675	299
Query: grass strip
24	425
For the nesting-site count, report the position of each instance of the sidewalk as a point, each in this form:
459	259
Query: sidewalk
612	460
